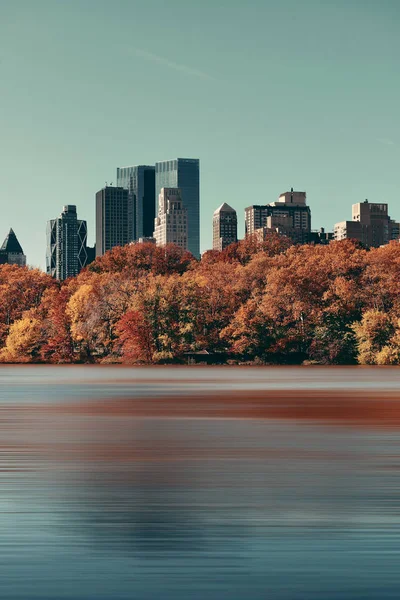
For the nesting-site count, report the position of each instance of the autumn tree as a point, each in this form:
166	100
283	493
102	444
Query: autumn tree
136	337
136	260
24	340
58	346
381	279
373	334
21	289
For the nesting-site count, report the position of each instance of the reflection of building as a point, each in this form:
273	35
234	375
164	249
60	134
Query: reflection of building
224	227
140	183
170	226
66	252
290	216
112	219
11	251
370	224
184	173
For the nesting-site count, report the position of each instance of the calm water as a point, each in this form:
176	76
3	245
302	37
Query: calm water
181	483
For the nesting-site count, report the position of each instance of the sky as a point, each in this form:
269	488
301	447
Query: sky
268	94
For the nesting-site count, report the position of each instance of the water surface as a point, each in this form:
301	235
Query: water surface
170	483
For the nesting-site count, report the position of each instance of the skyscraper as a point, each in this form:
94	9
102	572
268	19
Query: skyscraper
371	225
11	251
170	226
289	215
255	217
184	173
140	183
224	227
66	251
112	219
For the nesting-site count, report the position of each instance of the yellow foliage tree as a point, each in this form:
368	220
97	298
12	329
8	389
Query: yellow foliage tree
373	335
23	341
81	309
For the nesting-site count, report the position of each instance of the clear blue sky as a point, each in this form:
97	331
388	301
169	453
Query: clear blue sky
269	94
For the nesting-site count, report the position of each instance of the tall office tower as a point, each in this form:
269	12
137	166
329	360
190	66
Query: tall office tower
370	224
292	215
376	218
112	219
184	173
91	254
254	218
224	227
11	252
66	253
289	215
394	230
171	223
140	183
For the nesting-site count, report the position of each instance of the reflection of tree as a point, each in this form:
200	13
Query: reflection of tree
144	503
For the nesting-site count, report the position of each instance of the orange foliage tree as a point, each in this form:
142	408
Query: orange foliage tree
21	289
268	301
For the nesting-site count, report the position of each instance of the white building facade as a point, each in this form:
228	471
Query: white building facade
171	223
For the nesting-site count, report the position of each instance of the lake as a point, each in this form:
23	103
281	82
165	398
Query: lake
199	482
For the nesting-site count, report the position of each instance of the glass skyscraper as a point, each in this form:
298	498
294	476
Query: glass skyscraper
140	183
183	173
112	223
66	253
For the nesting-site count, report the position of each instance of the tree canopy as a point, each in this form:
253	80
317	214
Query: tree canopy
267	302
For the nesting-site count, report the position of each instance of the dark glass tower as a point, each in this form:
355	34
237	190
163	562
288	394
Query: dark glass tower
66	253
112	219
140	183
184	173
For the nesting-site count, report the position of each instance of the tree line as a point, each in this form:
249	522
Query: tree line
255	302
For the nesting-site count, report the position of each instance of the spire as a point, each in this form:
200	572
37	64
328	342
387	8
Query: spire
11	244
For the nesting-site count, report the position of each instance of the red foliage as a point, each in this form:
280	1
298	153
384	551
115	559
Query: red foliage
268	301
58	347
135	259
135	336
21	289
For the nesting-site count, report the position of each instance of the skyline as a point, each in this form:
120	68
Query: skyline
253	225
279	96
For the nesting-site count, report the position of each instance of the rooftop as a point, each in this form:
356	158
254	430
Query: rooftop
224	208
11	244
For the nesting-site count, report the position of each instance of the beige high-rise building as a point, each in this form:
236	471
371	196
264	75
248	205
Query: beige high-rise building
255	217
290	214
224	227
350	230
370	224
171	223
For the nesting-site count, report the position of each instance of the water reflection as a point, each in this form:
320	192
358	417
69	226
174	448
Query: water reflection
147	495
